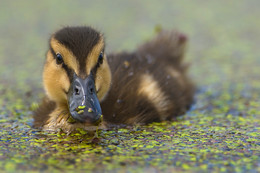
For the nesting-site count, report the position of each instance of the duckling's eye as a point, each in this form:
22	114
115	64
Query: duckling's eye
59	58
100	58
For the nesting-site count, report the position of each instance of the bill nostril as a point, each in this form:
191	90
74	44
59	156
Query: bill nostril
76	91
91	89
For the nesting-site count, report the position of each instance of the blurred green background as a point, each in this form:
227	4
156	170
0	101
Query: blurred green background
220	133
222	34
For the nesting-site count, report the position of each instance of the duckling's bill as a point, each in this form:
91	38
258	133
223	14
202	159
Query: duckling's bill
83	103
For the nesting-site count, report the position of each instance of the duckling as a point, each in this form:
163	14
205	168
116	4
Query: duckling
84	85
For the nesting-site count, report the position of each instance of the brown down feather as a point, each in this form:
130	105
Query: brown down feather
149	84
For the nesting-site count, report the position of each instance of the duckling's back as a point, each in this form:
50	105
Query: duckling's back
150	84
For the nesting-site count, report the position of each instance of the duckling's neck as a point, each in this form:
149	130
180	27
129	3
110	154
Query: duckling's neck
60	119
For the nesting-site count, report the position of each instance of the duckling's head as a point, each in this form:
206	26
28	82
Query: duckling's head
76	73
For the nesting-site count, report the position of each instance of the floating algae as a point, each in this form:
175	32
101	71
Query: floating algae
71	120
81	107
80	111
98	124
90	110
100	119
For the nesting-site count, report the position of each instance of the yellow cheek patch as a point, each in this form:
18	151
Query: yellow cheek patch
103	80
68	57
55	80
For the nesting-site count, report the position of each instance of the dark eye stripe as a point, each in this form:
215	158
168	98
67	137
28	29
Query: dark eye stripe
100	61
66	92
52	52
68	70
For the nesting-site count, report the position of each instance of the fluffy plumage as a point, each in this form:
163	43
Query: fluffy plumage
149	84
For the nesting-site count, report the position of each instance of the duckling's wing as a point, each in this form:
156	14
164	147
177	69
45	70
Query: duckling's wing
149	84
